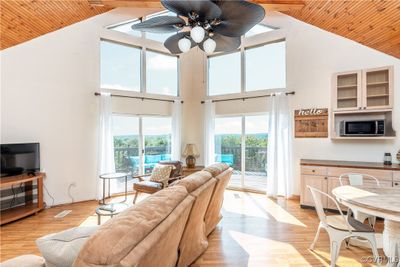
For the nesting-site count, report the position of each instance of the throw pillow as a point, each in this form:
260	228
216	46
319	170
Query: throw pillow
24	261
61	249
161	173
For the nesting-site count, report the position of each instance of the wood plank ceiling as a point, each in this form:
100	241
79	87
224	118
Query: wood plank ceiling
374	23
23	20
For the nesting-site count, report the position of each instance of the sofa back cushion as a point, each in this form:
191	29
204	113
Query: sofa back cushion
216	169
194	181
194	240
118	237
213	214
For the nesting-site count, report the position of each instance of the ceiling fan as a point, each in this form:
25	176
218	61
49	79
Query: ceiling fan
214	26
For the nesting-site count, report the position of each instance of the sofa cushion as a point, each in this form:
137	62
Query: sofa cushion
194	181
216	168
119	236
161	173
61	249
213	214
24	261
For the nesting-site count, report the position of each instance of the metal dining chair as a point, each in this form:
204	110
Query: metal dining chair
356	179
339	227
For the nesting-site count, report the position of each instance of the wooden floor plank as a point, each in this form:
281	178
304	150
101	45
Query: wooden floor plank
255	231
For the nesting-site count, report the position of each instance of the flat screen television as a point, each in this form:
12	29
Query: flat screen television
19	159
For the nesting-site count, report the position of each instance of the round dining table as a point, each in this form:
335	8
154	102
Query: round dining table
382	202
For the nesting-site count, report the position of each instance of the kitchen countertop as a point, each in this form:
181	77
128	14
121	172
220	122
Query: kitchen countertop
350	164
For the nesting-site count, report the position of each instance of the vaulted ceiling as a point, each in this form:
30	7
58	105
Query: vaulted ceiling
374	23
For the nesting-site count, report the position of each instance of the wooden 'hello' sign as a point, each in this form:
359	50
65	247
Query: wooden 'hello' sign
311	122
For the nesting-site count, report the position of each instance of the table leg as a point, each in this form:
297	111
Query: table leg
391	242
109	192
98	219
104	191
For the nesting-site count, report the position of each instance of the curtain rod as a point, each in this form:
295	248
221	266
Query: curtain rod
247	97
140	97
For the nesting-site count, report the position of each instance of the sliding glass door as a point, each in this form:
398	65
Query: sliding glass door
256	140
140	142
228	146
241	142
157	141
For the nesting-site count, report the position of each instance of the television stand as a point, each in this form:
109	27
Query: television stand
28	206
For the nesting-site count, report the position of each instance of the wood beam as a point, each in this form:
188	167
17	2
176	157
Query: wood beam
269	5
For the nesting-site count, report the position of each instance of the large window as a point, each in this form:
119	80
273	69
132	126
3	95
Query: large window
241	142
224	74
161	74
159	37
258	29
251	69
119	66
266	67
127	28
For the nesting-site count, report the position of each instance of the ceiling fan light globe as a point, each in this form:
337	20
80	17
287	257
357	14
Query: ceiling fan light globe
197	34
209	46
184	45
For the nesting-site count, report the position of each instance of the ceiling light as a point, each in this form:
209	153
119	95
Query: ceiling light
184	45
209	46
197	34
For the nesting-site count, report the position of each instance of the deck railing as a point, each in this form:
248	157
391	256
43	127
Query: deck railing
256	157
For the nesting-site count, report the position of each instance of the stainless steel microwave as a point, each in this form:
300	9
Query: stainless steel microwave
362	128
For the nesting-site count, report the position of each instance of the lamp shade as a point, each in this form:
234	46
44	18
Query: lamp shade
209	46
197	34
191	150
184	45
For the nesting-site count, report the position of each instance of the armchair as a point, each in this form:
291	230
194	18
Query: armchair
149	187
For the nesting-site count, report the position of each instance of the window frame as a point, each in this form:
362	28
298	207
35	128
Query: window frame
127	45
244	64
207	74
242	50
143	60
177	71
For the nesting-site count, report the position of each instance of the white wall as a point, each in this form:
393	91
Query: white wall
47	96
47	87
313	55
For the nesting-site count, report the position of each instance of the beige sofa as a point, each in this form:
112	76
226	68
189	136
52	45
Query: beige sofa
169	228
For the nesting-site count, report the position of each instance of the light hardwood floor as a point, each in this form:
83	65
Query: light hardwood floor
255	231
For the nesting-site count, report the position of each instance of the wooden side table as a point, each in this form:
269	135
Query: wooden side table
188	171
29	206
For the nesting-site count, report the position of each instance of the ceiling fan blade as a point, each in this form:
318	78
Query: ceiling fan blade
172	42
238	17
160	24
206	9
224	43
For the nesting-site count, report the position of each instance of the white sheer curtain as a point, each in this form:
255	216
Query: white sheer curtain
279	165
209	125
176	130
106	162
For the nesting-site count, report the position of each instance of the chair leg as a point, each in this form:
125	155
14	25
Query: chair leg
136	195
312	246
374	249
335	243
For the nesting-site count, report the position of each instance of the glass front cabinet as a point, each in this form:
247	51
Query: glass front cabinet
363	89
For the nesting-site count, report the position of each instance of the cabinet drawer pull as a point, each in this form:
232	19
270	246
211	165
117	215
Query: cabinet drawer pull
396	183
313	170
326	178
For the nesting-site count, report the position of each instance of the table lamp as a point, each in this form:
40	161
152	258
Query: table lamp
191	153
